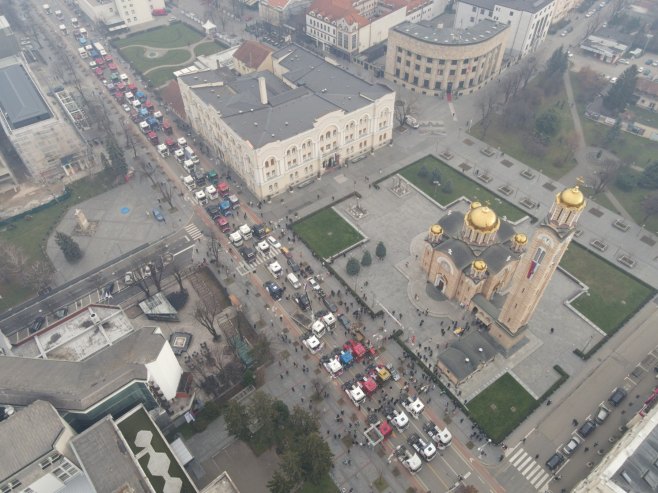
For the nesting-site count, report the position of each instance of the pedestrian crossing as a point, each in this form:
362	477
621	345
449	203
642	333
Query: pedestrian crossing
529	469
245	268
193	231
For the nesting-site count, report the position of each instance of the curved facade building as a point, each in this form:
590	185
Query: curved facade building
436	61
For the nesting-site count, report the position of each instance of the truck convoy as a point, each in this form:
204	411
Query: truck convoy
409	459
442	437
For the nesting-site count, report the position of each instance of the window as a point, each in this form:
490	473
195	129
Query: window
418	57
399	59
426	84
453	62
399	50
474	9
415	81
452	72
437	85
416	67
397	72
407	63
430	60
428	70
442	62
464	71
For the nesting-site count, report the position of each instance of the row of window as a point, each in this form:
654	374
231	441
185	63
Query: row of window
432	60
321	26
438	85
428	70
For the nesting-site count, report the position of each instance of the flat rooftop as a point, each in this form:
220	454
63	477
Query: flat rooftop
448	36
76	337
20	101
314	88
521	5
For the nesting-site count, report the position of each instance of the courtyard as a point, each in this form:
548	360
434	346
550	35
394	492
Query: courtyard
158	53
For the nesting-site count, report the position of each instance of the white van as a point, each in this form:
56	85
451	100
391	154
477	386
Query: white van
275	269
294	282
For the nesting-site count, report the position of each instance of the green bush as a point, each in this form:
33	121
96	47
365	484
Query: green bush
353	267
366	259
650	177
626	180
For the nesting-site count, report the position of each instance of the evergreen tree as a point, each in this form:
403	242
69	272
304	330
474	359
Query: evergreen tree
353	267
558	63
447	187
422	172
621	92
380	251
649	178
314	456
366	259
69	247
117	158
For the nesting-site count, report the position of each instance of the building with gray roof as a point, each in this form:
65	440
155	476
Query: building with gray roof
35	455
528	20
281	129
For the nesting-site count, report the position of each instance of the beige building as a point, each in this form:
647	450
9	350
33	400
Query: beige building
120	14
562	8
478	260
252	56
46	142
281	129
438	61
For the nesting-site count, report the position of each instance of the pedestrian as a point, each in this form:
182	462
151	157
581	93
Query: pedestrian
293	389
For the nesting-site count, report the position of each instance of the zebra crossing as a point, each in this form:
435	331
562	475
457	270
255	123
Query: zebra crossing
529	469
245	268
193	231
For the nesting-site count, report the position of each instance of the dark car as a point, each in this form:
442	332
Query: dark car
555	461
331	306
61	313
586	428
274	289
37	324
321	313
248	254
213	211
108	290
303	301
344	321
293	265
617	396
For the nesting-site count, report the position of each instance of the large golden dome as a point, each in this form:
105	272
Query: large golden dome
482	218
572	198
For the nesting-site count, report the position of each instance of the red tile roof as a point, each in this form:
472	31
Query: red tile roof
252	53
338	9
277	4
647	86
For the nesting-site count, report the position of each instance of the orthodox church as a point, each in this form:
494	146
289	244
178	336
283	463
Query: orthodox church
479	261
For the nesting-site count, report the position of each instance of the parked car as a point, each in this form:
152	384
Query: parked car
623	61
37	324
571	445
555	461
274	242
344	321
158	215
274	289
331	306
586	428
294	266
314	284
602	414
61	313
302	301
617	396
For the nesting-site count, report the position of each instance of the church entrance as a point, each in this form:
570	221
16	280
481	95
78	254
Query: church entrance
440	283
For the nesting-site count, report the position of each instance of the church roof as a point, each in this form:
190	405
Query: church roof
468	346
496	256
461	254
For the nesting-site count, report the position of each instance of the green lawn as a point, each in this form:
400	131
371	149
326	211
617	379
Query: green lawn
500	408
461	186
326	233
177	35
31	234
135	54
644	116
138	421
514	143
208	48
160	76
602	200
613	294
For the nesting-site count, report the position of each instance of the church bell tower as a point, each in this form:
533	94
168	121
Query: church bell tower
543	254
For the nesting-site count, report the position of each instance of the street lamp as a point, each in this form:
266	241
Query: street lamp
437	184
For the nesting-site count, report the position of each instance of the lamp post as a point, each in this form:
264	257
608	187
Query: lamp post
437	184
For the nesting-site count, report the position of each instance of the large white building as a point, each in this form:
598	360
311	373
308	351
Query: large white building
282	129
120	14
46	142
353	26
528	20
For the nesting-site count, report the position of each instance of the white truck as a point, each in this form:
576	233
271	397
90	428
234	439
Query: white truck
275	269
211	192
413	406
46	8
329	320
442	437
245	231
409	459
426	450
313	344
333	366
397	419
318	328
235	238
188	165
188	181
356	394
179	155
201	197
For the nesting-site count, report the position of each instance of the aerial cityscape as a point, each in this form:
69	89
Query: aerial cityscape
329	246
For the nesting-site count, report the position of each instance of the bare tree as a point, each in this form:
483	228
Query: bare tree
205	312
147	170
176	272
605	175
528	68
486	104
214	248
38	275
130	139
509	84
404	107
167	192
140	279
569	148
157	269
13	260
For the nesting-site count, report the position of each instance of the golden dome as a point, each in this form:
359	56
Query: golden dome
475	205
482	218
572	198
436	229
479	265
520	239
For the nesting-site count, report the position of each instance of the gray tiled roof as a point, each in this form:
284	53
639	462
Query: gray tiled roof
467	346
27	436
76	386
452	36
322	88
521	5
20	102
105	460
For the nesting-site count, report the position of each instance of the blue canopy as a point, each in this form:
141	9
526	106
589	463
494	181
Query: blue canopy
346	358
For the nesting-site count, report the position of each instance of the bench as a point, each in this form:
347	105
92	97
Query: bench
505	190
627	261
599	245
621	225
487	151
527	174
